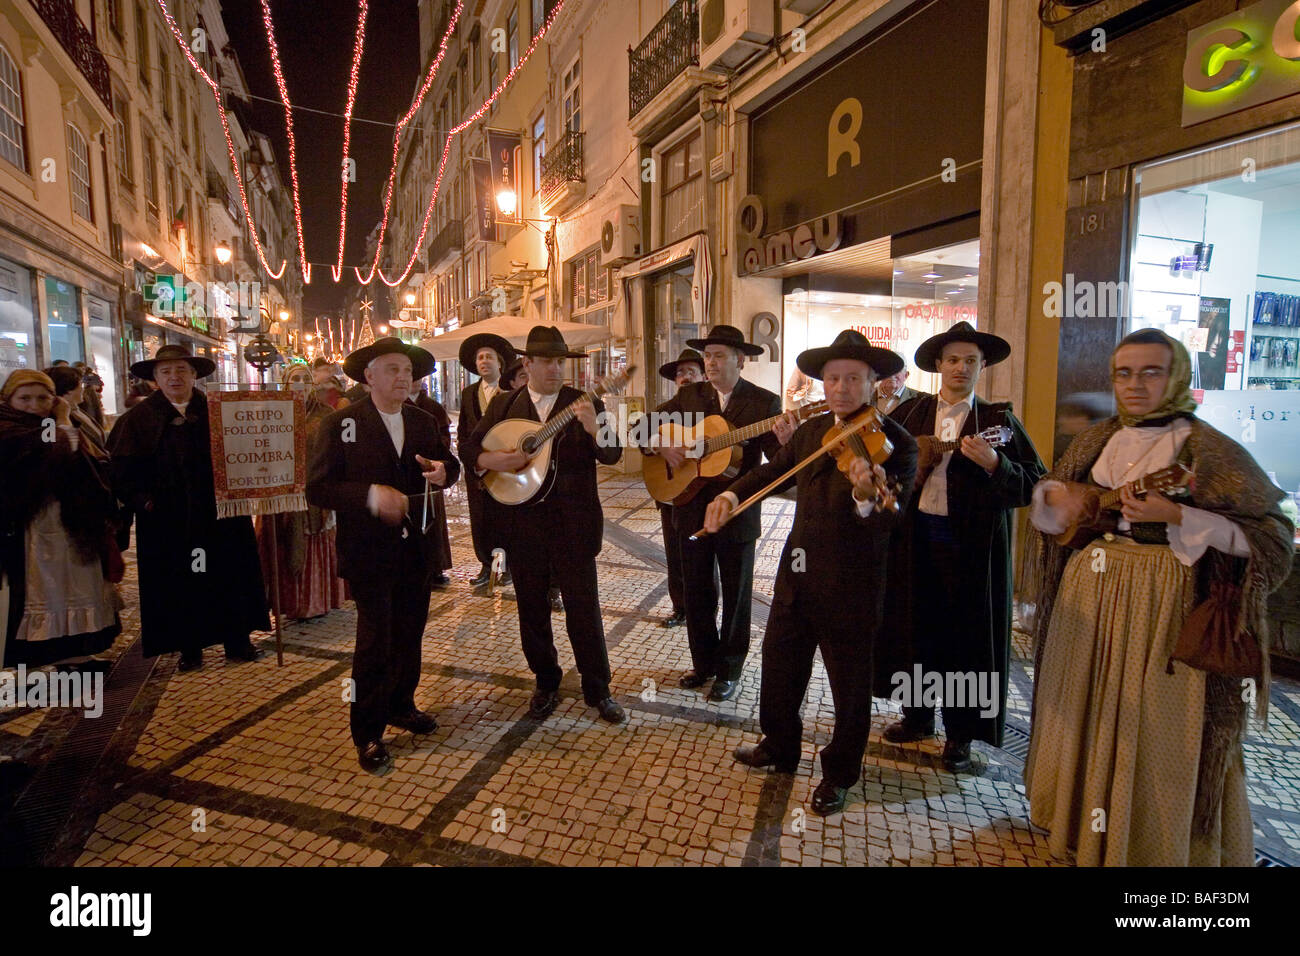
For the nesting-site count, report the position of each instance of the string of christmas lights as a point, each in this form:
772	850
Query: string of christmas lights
336	271
288	123
230	142
446	151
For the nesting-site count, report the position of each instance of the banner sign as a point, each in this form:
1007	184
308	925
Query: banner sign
503	147
484	218
259	451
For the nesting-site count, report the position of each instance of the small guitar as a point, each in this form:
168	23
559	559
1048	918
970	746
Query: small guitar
534	439
712	449
1098	517
930	450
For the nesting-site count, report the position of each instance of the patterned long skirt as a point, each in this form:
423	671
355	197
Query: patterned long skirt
316	587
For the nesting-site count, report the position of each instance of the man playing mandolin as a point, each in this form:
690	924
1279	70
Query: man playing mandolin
830	586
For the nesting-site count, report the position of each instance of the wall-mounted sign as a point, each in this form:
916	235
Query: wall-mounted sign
1241	60
484	204
756	252
503	149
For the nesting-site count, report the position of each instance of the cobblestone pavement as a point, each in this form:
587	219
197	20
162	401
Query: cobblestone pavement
252	764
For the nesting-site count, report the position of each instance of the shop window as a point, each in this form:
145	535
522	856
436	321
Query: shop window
79	174
12	122
63	319
17	320
1214	264
101	349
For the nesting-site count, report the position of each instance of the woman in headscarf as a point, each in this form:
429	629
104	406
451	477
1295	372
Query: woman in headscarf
310	585
1135	758
56	518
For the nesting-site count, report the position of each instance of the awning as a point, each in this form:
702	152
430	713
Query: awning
514	329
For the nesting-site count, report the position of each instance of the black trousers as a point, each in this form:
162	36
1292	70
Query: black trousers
718	652
673	556
478	525
940	643
537	563
795	631
391	614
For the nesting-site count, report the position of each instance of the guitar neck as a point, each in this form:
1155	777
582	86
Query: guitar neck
1110	500
738	435
565	415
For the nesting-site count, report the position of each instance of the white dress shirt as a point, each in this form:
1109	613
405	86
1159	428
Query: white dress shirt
397	432
949	419
543	403
1130	454
723	397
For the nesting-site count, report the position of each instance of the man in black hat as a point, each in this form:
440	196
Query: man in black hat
719	655
555	540
951	579
200	576
488	355
687	370
372	462
830	587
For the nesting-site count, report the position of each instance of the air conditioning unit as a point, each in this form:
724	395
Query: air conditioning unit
733	30
803	6
620	235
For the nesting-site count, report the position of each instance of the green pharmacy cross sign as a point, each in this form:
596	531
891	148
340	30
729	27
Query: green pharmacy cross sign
165	295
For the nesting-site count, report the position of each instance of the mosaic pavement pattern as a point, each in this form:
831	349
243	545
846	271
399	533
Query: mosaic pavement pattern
252	764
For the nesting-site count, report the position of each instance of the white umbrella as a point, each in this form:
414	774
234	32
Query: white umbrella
514	329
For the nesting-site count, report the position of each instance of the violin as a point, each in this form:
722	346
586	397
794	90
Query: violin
866	441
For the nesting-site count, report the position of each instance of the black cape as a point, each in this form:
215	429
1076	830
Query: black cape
162	470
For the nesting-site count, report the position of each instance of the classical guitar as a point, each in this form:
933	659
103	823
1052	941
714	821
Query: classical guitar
535	439
713	452
930	450
1098	517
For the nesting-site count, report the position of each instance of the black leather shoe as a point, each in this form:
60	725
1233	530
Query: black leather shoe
557	600
902	732
416	721
692	679
190	662
757	755
828	798
482	577
677	619
956	756
440	582
724	690
610	710
543	704
242	655
373	756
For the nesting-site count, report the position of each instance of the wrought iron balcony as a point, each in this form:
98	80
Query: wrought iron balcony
62	19
450	239
670	47
562	164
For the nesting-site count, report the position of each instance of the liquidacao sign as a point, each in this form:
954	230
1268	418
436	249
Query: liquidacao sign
1241	60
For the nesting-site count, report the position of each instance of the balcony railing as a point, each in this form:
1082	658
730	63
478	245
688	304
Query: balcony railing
451	238
670	47
62	19
562	164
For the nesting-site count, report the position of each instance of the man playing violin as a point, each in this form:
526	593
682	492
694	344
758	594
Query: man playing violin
831	583
950	569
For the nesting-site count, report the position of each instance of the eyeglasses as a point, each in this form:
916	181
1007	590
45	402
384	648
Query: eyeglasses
1146	376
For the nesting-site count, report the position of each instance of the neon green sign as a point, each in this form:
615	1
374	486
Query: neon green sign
1241	60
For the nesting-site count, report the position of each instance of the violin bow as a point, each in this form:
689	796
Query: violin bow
767	489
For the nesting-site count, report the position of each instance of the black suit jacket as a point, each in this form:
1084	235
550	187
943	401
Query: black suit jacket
342	471
573	494
470	415
748	404
842	565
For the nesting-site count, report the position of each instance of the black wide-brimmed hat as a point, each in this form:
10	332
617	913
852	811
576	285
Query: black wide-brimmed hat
547	342
354	366
993	347
669	370
469	350
203	367
511	371
725	335
850	345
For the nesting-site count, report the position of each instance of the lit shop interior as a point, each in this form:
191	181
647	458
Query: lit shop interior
896	303
1215	261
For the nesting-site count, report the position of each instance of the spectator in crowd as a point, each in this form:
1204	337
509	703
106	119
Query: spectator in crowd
56	526
70	385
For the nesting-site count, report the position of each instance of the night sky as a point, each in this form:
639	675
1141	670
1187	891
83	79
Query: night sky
316	38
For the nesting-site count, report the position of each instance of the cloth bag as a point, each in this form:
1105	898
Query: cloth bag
1212	639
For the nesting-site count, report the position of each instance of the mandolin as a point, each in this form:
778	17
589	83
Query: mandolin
713	453
930	450
1096	519
535	439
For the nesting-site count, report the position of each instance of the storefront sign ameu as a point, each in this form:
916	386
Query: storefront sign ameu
1240	60
756	252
